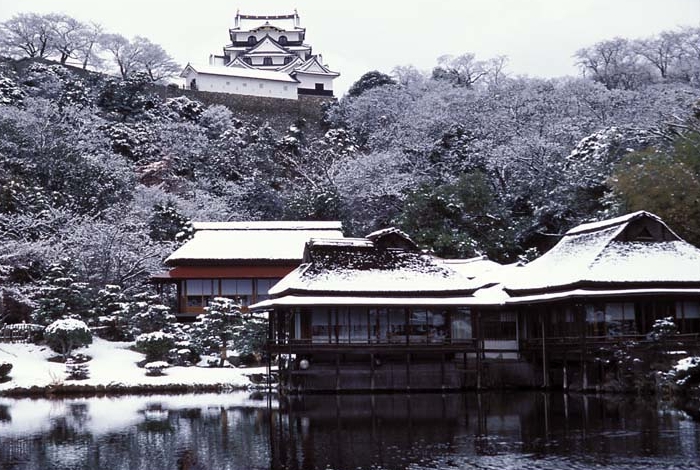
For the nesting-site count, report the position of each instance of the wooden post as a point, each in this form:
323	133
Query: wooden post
565	378
270	319
584	358
442	370
408	371
337	372
545	375
287	318
479	350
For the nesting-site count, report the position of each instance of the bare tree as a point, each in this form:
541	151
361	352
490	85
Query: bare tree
689	60
26	34
463	70
661	52
124	52
614	63
408	75
68	34
153	60
496	68
88	50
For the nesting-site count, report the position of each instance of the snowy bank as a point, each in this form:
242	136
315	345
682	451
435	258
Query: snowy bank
113	369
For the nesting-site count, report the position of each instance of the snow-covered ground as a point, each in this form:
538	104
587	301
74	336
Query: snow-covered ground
112	365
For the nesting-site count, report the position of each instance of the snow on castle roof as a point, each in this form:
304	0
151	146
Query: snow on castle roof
239	72
314	67
272	241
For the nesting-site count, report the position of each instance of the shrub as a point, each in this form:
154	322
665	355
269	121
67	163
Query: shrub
5	368
155	345
77	371
156	368
686	373
65	335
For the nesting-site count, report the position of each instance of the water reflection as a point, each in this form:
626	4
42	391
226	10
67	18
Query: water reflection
237	431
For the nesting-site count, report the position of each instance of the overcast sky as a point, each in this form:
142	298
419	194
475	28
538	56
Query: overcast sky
355	36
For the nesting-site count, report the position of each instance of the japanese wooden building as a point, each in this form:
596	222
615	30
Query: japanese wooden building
238	260
377	313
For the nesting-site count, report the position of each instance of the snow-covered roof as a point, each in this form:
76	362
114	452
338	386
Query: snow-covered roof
237	62
616	221
239	242
634	249
480	267
420	279
314	67
291	66
295	301
272	225
268	46
365	267
337	242
595	293
238	72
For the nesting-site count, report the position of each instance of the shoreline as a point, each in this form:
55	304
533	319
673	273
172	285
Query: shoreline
69	390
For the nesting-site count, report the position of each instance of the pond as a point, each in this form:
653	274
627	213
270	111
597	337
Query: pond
525	430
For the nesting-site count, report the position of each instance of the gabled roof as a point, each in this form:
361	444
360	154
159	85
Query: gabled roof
268	46
291	66
240	242
635	250
314	67
238	72
237	62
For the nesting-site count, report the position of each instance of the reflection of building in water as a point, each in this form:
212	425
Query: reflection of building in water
459	430
378	313
391	431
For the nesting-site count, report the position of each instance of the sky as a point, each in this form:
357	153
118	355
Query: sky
538	36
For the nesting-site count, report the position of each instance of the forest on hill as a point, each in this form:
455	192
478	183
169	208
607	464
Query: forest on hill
99	177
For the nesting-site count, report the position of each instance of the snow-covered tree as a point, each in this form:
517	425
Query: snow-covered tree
63	336
58	296
368	81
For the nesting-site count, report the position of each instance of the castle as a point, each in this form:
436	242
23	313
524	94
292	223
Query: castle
267	56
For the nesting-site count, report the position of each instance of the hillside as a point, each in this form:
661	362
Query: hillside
99	175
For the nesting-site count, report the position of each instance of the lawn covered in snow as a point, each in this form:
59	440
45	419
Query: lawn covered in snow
113	364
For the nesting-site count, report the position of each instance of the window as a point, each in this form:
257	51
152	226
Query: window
199	292
283	40
261	85
320	325
240	290
251	40
359	330
287	60
264	286
500	326
285	87
319	87
688	316
248	60
267	61
461	324
620	319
